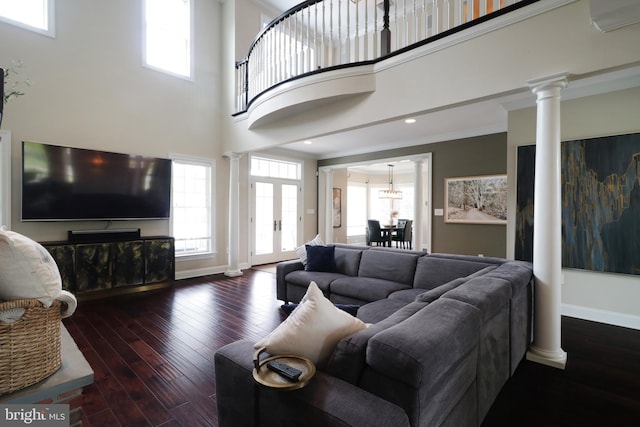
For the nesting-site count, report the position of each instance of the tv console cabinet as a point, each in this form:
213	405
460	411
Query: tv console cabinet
95	269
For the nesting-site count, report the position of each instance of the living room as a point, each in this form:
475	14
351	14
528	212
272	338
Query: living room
88	89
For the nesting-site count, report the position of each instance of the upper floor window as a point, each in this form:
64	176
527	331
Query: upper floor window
34	15
168	36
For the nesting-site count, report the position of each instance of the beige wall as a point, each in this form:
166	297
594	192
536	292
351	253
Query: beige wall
612	298
90	90
340	181
249	14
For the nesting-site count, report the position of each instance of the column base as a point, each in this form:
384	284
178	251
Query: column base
555	359
233	273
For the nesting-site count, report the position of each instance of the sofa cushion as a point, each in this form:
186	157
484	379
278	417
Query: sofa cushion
388	265
434	363
320	258
376	311
413	346
302	278
434	271
364	288
347	260
312	330
435	293
301	251
406	295
518	273
348	359
488	294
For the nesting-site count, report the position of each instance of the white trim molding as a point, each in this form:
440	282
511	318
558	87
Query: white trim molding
603	316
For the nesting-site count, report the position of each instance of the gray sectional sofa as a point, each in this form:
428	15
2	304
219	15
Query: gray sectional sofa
446	333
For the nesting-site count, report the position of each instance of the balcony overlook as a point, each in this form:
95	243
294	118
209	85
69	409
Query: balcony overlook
327	35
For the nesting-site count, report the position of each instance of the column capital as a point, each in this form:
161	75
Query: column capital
560	80
232	155
327	169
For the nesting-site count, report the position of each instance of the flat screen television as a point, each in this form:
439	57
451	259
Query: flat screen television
70	184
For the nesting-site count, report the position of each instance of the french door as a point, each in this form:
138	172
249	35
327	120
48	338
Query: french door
276	220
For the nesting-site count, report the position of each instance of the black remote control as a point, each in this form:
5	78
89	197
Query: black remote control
289	372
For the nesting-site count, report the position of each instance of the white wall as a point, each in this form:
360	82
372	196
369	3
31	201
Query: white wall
90	90
604	297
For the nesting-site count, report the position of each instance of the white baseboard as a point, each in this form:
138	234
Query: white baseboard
199	272
602	316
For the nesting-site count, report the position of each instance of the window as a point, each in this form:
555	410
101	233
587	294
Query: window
356	209
404	206
275	168
167	36
380	209
192	212
34	15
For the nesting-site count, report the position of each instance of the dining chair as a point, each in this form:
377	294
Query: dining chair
374	233
404	233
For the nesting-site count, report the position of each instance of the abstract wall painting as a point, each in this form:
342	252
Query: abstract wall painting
600	180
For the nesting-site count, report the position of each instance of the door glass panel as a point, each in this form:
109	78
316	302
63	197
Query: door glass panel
289	217
264	218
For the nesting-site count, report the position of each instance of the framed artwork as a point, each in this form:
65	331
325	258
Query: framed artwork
600	203
337	208
476	200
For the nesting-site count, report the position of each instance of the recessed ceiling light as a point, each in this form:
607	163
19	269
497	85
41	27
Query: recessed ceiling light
307	142
409	121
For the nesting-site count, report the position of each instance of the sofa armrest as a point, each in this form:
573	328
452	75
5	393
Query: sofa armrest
427	363
325	401
282	269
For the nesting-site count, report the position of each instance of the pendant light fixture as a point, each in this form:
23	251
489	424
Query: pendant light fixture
390	193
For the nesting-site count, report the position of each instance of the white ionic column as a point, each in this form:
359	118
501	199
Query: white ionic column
547	228
418	206
328	205
233	251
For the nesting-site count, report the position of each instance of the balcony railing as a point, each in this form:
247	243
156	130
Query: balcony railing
320	35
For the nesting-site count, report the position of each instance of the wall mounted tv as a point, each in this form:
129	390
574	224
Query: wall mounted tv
69	184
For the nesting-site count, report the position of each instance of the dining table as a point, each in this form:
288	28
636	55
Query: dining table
387	232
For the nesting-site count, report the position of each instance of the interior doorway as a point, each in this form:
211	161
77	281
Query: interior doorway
362	183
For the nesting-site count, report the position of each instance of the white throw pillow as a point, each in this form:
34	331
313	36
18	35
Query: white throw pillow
27	270
312	330
301	251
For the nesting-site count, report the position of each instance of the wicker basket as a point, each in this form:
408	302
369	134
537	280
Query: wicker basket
29	347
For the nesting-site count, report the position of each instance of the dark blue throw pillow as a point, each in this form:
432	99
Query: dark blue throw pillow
320	258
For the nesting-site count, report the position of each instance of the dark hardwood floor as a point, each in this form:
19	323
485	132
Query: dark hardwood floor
152	354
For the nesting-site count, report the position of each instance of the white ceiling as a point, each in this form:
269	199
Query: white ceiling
479	118
471	120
